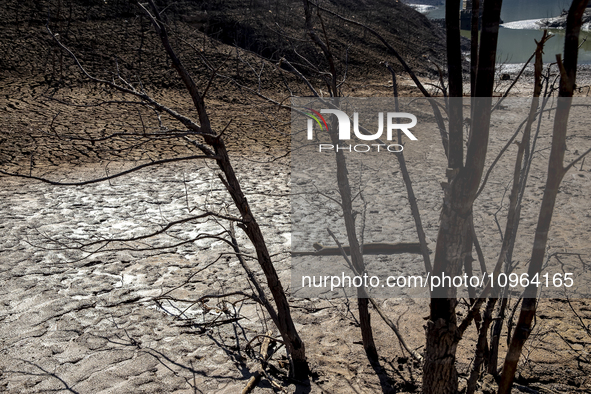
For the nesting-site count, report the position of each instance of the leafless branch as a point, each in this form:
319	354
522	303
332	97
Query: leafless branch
97	180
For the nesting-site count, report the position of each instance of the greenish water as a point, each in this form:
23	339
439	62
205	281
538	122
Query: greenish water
517	45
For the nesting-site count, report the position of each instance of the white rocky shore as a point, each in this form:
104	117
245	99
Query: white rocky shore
558	22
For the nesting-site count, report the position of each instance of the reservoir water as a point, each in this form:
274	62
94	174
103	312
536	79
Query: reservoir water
516	44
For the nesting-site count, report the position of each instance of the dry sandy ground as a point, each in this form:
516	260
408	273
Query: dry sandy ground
95	325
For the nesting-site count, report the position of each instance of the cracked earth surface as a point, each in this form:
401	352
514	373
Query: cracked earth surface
92	324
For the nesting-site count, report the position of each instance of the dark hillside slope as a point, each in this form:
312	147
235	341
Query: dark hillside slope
276	29
104	31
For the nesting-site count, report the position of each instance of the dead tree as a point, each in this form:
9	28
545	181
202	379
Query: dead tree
556	172
210	145
454	237
456	234
344	186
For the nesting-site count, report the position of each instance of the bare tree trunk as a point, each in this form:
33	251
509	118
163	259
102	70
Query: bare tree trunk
496	338
286	327
355	251
454	65
481	346
467	258
345	191
519	181
475	28
439	371
412	200
556	171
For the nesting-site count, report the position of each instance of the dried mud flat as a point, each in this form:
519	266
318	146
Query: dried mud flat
94	326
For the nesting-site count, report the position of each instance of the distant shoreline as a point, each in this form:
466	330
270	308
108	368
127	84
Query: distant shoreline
556	23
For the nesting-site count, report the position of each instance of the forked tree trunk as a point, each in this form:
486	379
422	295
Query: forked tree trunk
439	371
